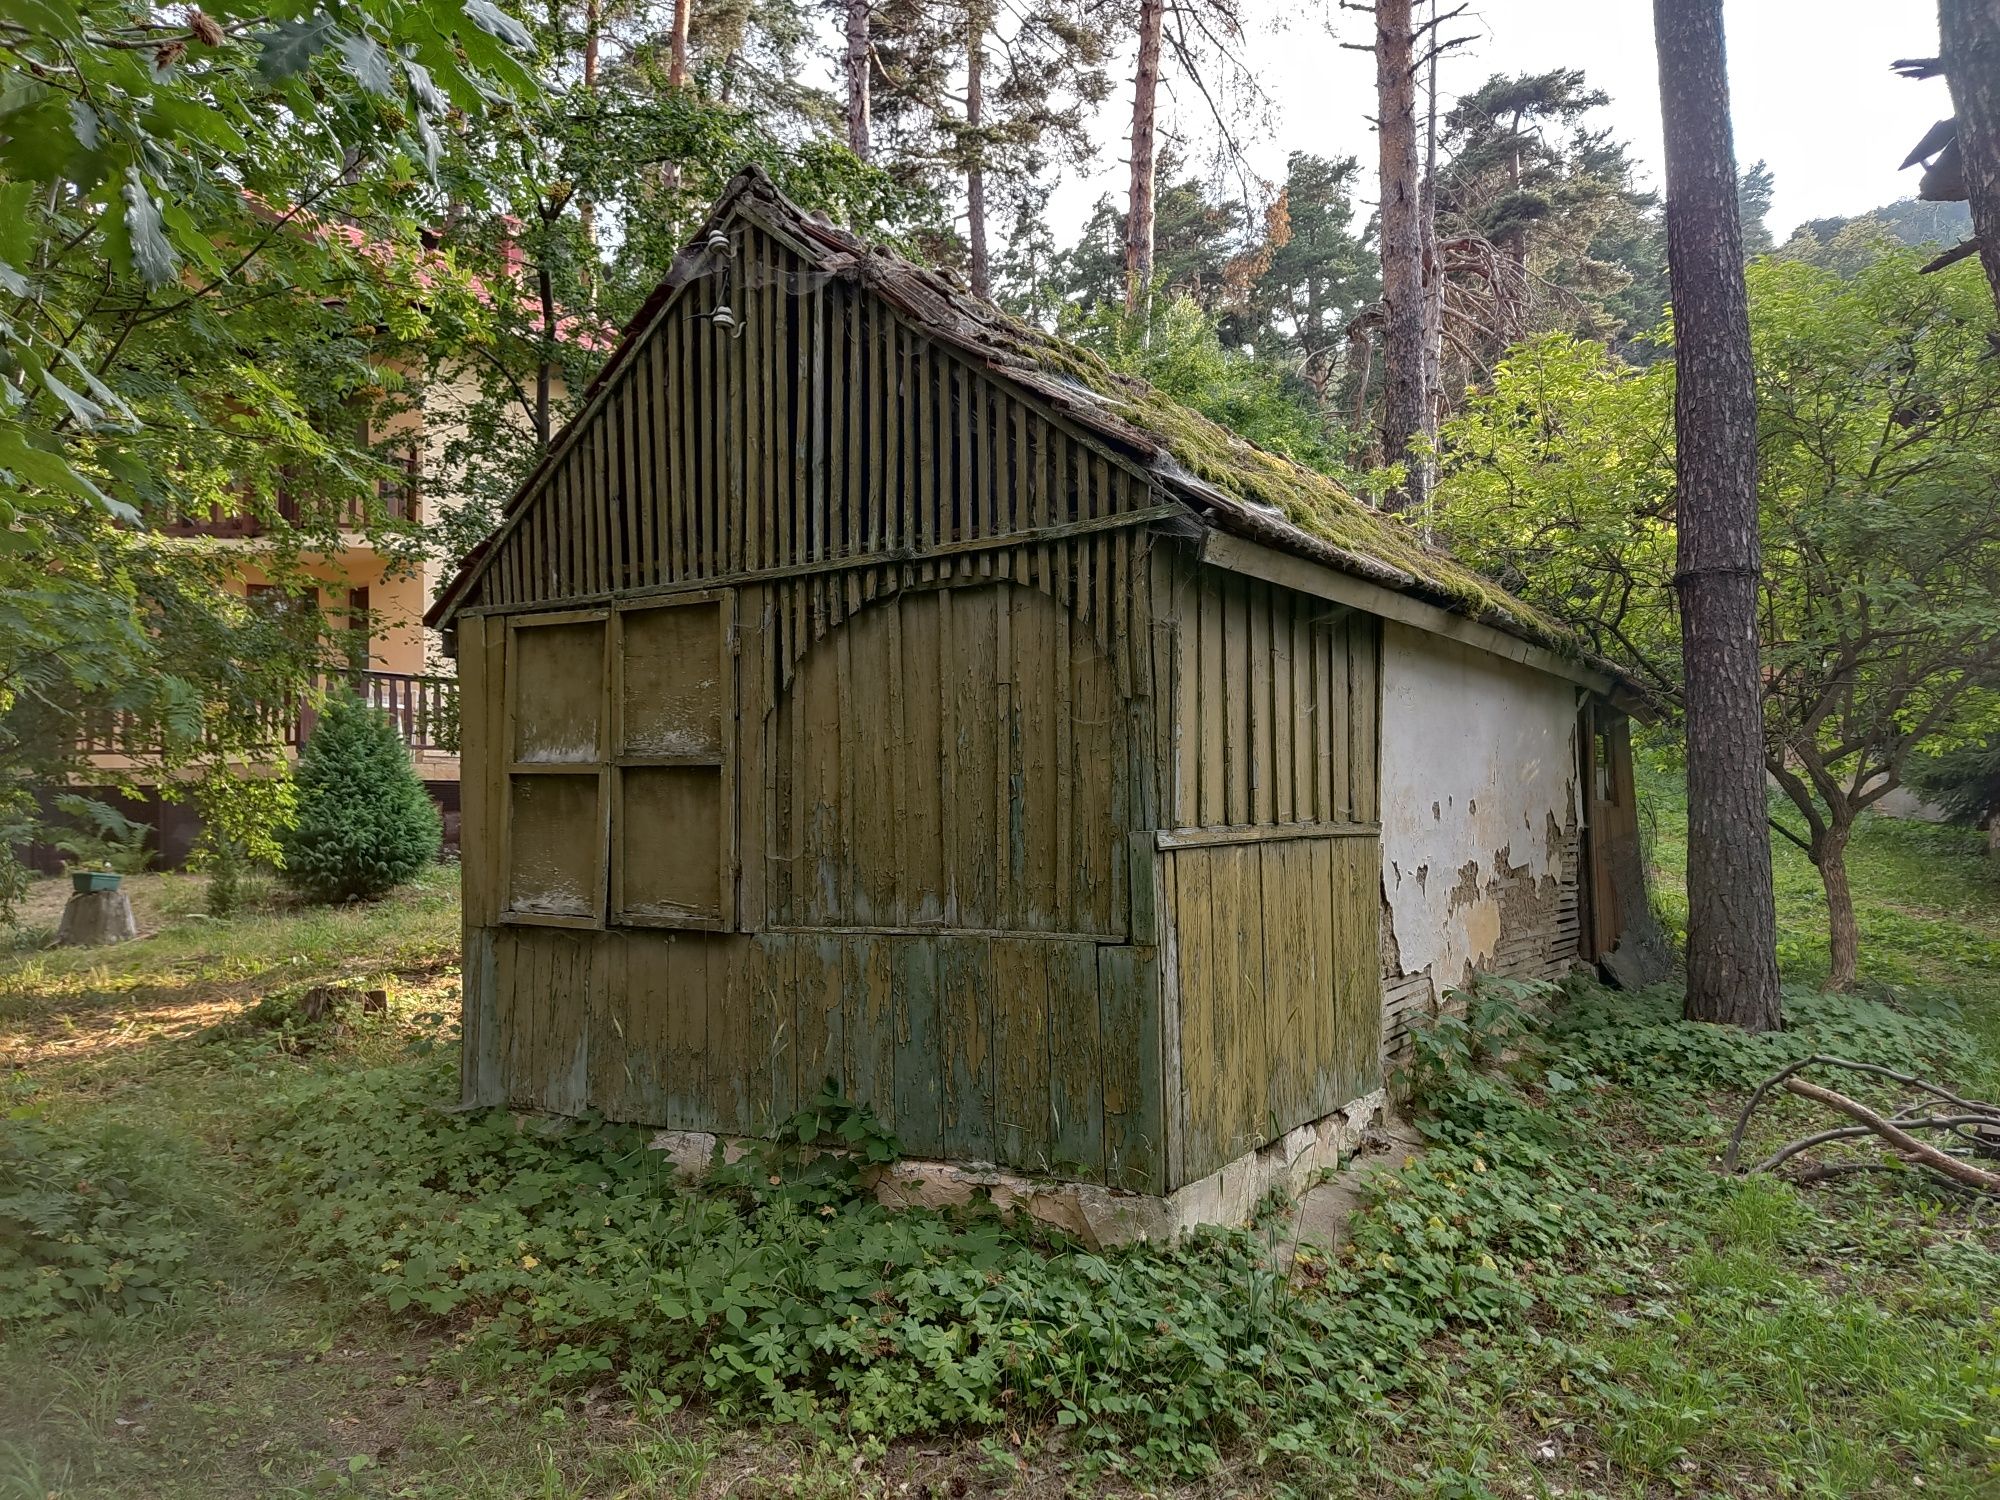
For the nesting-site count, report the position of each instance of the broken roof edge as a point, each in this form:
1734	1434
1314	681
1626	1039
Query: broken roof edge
1244	490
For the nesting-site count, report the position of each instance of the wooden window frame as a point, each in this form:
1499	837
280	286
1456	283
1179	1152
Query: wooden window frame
600	768
722	760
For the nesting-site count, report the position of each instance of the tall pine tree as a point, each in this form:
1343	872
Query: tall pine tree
1732	926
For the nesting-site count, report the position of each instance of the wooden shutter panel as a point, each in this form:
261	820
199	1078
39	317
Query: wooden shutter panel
673	820
557	801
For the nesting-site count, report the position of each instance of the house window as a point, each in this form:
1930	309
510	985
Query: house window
621	728
360	630
399	494
293	609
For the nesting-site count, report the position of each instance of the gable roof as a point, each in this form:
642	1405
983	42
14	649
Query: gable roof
1227	482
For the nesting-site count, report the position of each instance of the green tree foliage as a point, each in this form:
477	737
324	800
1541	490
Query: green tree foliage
1256	299
1879	442
363	821
1755	188
574	207
100	837
1908	221
1041	71
243	821
210	273
169	187
1321	272
1555	200
1177	349
1559	481
1284	277
1964	780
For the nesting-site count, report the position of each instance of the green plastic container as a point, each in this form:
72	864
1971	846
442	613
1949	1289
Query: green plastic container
83	882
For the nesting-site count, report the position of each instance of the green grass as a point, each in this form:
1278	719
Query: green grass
1926	901
1647	1327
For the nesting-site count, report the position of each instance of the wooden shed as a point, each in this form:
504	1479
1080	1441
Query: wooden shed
870	687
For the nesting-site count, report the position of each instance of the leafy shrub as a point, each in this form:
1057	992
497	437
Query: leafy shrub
87	1228
364	823
1964	781
243	820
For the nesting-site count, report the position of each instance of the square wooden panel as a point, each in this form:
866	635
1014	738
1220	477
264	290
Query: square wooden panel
673	681
556	848
556	687
671	838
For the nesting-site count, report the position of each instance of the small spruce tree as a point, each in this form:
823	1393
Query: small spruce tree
364	822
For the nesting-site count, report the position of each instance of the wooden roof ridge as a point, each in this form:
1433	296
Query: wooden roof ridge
1226	481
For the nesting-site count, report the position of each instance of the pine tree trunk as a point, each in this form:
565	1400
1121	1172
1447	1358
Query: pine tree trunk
1969	47
677	57
975	172
1829	857
677	77
587	210
857	78
1139	206
1431	266
1732	936
1406	403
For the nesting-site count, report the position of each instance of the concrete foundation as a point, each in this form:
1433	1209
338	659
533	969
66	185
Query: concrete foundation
1099	1216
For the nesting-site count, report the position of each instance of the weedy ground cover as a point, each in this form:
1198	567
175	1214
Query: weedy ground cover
245	1254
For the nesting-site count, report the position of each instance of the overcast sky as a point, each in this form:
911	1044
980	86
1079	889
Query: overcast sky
1810	86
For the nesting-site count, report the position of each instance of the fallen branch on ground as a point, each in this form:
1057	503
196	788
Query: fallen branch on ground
1973	1123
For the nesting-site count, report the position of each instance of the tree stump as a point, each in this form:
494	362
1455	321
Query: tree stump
94	919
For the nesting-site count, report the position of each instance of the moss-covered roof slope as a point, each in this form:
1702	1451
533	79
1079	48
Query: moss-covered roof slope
1227	481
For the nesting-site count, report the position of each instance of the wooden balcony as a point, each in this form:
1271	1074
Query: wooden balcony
395	500
423	709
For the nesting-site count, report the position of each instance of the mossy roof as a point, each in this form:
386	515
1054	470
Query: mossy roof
1224	477
1227	481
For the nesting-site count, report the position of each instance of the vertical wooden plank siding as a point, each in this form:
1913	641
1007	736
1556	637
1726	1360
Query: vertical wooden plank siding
935	753
1268	905
1033	1039
482	764
1273	701
1279	992
822	427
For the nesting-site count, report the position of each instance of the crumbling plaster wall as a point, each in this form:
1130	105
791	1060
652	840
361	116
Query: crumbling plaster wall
1480	816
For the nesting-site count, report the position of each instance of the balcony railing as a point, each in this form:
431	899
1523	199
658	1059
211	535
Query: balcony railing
423	709
395	500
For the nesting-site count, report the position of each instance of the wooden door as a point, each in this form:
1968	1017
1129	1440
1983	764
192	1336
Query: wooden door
1614	873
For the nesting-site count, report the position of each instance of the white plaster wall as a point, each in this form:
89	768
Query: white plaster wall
1478	755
